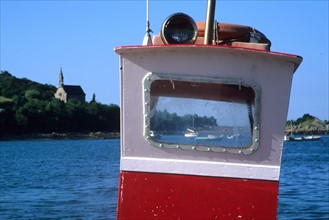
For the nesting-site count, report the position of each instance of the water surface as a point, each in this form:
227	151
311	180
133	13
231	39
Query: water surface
78	179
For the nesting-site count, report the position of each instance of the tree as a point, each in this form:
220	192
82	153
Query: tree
27	106
93	98
165	121
306	117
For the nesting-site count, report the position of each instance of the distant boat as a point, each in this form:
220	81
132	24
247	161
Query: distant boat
191	133
292	138
311	138
209	137
154	134
303	138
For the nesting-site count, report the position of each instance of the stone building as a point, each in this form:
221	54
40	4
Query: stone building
69	92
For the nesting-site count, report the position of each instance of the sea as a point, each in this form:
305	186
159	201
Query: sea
78	179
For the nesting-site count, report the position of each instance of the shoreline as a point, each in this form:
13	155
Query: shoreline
307	132
92	135
60	136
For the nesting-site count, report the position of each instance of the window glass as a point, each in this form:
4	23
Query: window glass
200	115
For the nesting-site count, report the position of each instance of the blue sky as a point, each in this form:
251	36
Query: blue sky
40	37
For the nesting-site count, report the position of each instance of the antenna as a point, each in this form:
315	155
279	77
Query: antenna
147	38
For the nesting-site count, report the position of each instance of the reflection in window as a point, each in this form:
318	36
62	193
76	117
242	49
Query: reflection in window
190	113
201	122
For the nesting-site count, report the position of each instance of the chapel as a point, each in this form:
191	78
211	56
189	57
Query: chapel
69	92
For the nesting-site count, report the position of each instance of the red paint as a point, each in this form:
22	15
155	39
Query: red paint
207	46
171	196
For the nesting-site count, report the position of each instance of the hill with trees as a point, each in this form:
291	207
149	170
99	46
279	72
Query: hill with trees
307	124
30	107
171	122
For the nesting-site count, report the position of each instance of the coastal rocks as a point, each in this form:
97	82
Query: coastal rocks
62	136
91	135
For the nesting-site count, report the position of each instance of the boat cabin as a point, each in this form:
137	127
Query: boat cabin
202	125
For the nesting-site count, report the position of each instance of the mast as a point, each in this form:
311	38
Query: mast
147	38
209	29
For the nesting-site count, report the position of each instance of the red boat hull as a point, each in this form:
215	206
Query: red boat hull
171	196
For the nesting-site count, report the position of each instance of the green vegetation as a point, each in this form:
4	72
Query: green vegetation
170	122
29	107
4	99
307	124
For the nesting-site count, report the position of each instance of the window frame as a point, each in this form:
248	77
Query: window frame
151	77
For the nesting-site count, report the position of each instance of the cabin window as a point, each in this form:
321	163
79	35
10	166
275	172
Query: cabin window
201	114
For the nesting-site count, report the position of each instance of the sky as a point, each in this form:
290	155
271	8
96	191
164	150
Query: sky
40	37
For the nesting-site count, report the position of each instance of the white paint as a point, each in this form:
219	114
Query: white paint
200	168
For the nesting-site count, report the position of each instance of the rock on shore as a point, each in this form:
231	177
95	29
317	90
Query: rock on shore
61	136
